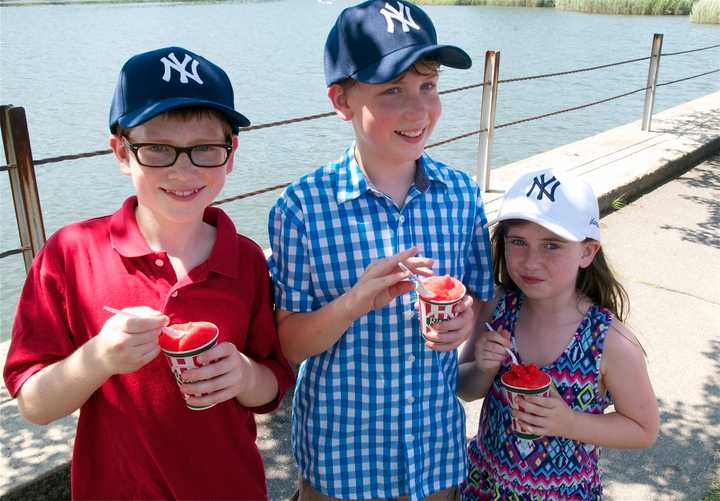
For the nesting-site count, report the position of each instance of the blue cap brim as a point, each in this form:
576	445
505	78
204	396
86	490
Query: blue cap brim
140	116
394	64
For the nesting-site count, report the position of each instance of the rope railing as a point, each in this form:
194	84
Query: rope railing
538	117
12	252
665	54
288	121
688	78
317	116
571	72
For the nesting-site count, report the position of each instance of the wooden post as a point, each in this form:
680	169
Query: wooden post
23	185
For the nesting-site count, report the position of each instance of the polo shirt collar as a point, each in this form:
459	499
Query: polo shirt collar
125	235
128	241
225	254
352	182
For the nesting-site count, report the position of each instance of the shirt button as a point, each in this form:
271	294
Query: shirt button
410	399
174	294
411	359
401	219
159	262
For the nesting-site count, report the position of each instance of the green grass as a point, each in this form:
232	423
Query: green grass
714	492
639	7
706	11
501	3
618	203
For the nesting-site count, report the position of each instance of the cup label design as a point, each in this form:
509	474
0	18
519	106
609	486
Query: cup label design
433	311
181	361
513	396
436	313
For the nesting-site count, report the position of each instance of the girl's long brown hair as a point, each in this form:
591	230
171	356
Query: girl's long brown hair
597	281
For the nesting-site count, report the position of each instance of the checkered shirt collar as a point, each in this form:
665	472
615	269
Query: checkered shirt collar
352	182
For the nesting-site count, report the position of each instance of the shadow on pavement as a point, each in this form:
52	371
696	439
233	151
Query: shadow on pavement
709	234
275	446
31	445
25	446
688	437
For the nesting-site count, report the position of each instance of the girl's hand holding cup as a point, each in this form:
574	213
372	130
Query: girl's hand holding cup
546	416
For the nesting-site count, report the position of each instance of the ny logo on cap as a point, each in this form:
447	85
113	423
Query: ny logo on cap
399	15
171	63
542	185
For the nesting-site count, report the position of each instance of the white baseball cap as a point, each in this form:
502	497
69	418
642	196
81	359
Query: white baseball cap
555	199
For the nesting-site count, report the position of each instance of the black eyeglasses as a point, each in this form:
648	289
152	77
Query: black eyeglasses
165	155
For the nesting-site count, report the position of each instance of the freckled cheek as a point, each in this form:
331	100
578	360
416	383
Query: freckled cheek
514	258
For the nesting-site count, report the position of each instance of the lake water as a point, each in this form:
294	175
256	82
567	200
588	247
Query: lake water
61	61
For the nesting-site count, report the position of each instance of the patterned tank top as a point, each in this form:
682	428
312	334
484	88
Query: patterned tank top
502	466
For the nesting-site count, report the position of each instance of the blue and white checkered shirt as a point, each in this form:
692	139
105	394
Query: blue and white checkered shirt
376	416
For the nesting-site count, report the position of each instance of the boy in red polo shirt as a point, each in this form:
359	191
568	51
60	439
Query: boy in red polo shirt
168	257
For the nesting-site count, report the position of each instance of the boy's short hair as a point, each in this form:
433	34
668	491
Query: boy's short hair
165	79
188	114
376	41
423	67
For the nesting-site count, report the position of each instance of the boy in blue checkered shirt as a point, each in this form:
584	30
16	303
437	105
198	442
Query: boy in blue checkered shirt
375	414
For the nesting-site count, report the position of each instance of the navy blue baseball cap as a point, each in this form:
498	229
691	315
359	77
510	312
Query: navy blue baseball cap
154	82
375	41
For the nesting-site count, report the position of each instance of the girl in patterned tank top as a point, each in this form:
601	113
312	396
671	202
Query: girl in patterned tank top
559	307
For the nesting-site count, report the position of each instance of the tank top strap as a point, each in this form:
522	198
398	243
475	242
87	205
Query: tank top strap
506	311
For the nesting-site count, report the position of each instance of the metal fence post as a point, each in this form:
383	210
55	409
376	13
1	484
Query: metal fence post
652	80
487	117
16	140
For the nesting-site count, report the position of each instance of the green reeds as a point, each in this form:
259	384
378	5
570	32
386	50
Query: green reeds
640	7
706	11
500	3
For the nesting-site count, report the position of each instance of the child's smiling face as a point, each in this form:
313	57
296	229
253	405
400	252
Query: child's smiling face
182	191
393	120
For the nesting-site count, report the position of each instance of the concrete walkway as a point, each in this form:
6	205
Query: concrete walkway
665	246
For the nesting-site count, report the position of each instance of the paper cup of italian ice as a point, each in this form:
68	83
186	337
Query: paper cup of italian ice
525	380
446	293
181	351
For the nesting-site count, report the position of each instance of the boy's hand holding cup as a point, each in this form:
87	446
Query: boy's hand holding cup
224	373
129	339
381	282
448	304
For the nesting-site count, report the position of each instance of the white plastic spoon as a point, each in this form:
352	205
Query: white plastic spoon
167	330
418	283
512	355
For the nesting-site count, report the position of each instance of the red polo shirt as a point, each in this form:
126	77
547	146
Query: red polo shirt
135	437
